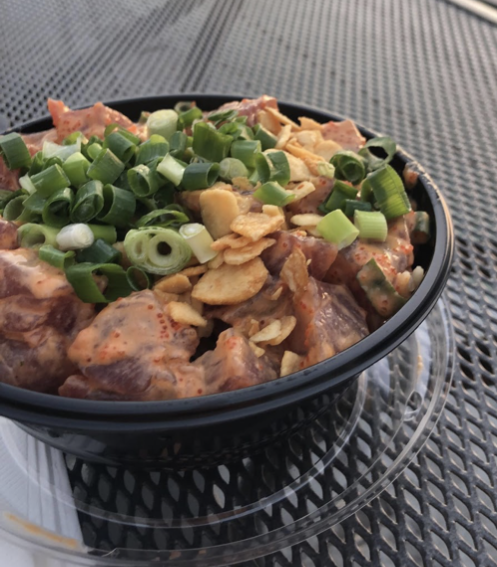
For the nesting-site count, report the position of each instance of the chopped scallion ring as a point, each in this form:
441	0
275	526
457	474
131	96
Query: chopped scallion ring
32	235
56	258
162	122
74	237
371	224
199	240
14	151
157	250
349	166
336	228
272	193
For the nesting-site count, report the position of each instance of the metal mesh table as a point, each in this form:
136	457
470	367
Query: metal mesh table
423	71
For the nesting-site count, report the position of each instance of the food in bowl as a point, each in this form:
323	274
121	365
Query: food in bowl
195	252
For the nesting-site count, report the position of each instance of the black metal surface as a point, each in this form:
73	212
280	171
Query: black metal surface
424	72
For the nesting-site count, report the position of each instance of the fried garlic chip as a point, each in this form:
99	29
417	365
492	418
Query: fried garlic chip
238	256
229	285
306	219
230	241
290	363
176	283
185	314
267	334
256	225
287	325
193	271
218	208
294	271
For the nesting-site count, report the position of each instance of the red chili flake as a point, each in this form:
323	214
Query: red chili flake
199	391
150	306
117	334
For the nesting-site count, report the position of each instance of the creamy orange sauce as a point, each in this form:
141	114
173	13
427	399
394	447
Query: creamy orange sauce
43	283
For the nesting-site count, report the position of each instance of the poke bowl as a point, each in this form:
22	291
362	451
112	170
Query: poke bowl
244	404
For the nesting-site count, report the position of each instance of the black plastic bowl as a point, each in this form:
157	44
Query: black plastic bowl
213	429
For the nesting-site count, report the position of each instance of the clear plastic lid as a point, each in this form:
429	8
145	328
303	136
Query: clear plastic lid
56	510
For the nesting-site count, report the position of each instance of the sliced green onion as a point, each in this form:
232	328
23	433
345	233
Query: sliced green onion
80	276
184	106
267	140
325	169
73	139
245	151
340	193
50	180
389	192
122	181
74	237
162	122
178	145
106	167
57	209
14	151
93	150
76	167
222	116
119	206
237	130
380	292
367	194
281	168
386	144
138	279
335	227
165	196
143	117
188	117
104	231
155	147
37	164
157	250
229	168
117	128
349	166
35	204
209	143
88	203
14	208
199	240
26	183
6	196
254	177
200	176
50	150
55	160
351	205
421	231
262	168
56	258
100	253
123	148
371	224
272	193
171	169
167	217
144	181
231	129
32	235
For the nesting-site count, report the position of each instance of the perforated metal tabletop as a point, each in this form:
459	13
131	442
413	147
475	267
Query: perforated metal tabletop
423	71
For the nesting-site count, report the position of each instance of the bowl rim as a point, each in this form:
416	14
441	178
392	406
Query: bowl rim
27	405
